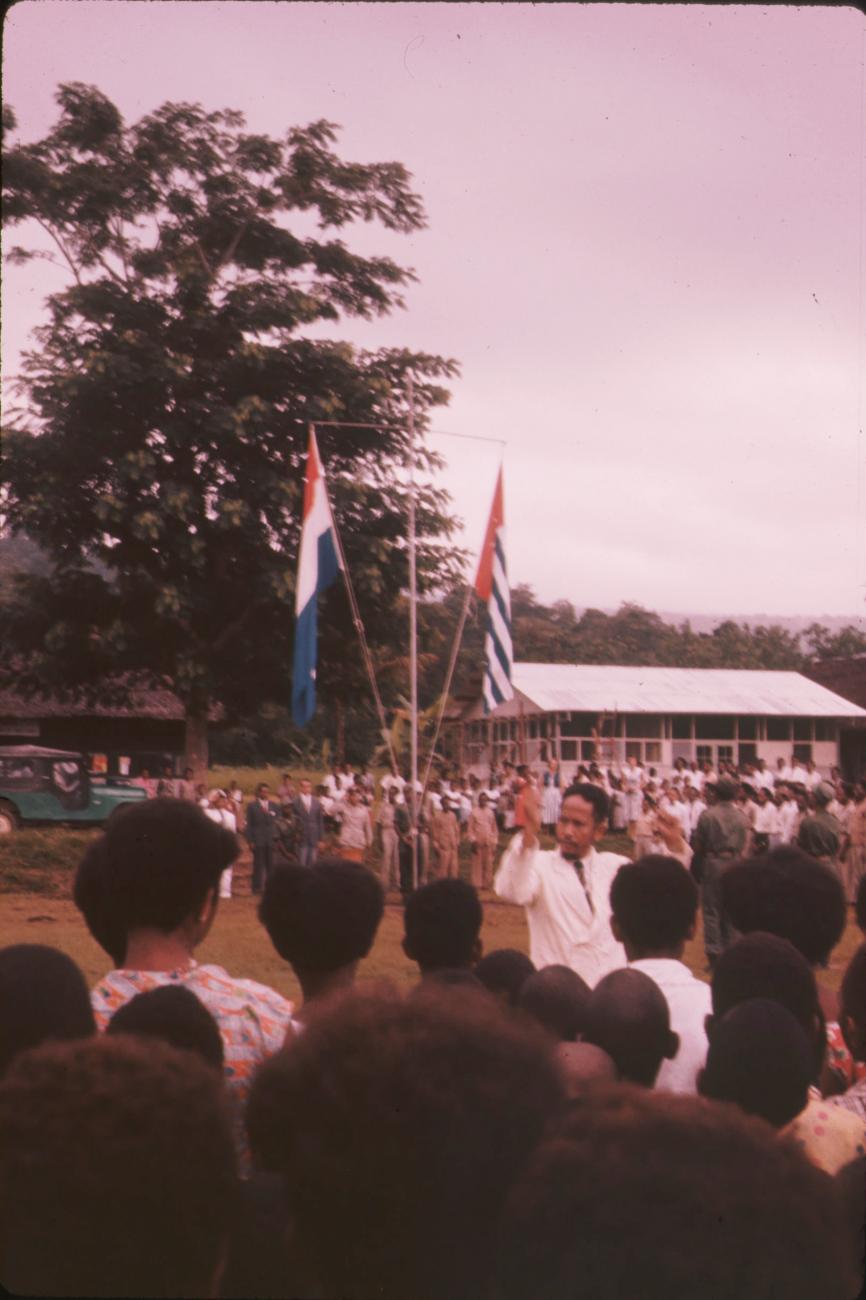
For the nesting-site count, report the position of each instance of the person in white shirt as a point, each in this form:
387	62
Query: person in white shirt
799	775
654	906
696	806
763	776
565	891
765	823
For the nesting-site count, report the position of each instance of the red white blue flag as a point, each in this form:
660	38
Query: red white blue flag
318	566
491	585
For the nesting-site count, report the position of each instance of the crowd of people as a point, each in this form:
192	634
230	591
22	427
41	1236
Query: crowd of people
588	1120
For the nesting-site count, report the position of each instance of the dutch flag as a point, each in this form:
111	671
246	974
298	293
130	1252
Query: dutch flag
491	586
318	565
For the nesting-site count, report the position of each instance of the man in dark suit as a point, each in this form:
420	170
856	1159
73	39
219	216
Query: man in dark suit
309	821
261	833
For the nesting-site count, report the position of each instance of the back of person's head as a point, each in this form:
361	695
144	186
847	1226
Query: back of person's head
627	1016
765	966
43	997
556	998
91	895
174	1015
726	790
760	1059
442	923
117	1173
644	1194
322	918
654	903
158	860
503	972
583	1065
397	1168
786	892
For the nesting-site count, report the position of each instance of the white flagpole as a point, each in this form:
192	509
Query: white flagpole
413	639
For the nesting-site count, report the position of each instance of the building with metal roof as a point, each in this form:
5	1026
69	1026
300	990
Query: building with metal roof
607	713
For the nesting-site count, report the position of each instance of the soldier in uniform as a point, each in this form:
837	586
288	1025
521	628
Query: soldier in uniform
720	838
820	833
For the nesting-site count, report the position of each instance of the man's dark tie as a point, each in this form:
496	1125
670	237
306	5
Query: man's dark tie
581	875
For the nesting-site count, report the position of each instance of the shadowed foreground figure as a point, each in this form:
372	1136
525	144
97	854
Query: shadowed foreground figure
117	1173
43	997
322	920
443	923
556	998
761	1060
657	1197
627	1017
503	973
172	1015
396	1167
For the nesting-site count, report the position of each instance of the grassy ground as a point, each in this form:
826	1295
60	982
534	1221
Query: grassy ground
37	867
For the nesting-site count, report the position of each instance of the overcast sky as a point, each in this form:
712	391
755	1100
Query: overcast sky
645	249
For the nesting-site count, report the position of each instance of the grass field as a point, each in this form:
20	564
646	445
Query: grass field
37	867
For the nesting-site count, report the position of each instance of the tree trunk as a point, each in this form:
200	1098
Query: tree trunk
341	731
195	741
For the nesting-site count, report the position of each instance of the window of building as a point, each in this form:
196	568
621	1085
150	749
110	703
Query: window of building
825	728
568	751
802	728
778	728
748	753
633	749
577	724
714	726
652	751
704	753
725	753
643	724
587	750
681	726
802	752
747	728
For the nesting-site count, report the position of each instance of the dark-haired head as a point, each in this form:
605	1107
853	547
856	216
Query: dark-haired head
322	918
43	997
396	1171
503	972
591	794
442	922
765	966
654	903
556	998
154	868
174	1015
628	1017
642	1194
760	1059
117	1171
786	892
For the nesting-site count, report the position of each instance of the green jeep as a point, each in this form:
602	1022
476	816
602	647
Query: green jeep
54	785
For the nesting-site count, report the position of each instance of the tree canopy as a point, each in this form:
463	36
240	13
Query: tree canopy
159	457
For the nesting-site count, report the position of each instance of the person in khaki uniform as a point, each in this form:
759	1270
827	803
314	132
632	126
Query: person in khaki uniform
483	838
820	834
854	865
720	838
445	838
387	820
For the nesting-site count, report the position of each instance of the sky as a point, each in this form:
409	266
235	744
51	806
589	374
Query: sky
644	248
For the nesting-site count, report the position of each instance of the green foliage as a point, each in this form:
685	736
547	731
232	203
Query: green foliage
160	460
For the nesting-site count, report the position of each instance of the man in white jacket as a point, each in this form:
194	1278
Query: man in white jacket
566	891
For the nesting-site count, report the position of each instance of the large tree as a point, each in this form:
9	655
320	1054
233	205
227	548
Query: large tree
159	456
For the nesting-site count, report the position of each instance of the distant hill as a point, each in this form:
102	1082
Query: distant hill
793	623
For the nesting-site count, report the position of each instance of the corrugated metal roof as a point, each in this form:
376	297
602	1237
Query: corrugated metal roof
610	688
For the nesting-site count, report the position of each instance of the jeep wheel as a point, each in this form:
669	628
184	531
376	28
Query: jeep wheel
8	817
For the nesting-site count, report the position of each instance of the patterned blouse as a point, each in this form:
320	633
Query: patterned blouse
253	1020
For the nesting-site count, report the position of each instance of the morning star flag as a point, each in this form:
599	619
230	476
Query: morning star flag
318	565
491	585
